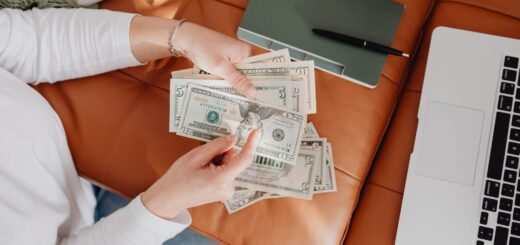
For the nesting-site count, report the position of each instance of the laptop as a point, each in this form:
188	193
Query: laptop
463	179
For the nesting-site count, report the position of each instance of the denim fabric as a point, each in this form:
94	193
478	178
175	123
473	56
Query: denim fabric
108	203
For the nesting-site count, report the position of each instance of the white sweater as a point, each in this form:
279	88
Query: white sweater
42	199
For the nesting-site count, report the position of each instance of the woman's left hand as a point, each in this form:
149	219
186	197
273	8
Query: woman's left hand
215	53
209	50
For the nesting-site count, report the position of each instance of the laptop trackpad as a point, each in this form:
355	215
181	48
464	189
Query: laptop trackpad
450	143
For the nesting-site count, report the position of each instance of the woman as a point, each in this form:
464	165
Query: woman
42	199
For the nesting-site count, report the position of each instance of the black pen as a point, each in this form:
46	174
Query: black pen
359	42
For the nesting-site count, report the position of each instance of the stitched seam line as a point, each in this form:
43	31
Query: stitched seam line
386	188
230	4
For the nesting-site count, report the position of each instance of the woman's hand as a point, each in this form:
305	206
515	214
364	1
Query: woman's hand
215	53
193	180
211	51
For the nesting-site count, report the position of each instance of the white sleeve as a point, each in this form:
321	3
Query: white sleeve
57	44
133	224
41	197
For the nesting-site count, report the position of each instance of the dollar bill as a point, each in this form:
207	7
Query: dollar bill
280	56
317	147
275	92
240	189
300	69
242	199
329	176
310	131
181	73
277	56
208	114
258	69
267	177
277	177
298	95
328	180
272	196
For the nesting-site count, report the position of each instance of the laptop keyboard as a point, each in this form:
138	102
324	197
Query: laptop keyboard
500	215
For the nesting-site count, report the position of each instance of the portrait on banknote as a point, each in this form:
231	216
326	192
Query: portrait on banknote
252	119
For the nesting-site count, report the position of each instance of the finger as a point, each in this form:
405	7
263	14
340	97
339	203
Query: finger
237	79
228	156
247	50
242	51
243	159
205	153
222	158
218	159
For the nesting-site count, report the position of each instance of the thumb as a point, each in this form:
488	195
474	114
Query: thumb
243	159
237	79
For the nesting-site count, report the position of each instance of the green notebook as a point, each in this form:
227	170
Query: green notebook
278	24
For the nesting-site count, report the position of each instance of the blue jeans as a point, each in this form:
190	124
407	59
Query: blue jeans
108	203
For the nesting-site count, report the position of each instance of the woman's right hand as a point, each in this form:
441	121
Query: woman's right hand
193	180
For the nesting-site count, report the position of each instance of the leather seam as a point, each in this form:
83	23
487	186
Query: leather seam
347	174
384	187
132	76
230	4
391	80
145	82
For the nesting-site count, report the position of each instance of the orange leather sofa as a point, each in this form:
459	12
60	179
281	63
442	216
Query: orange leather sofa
117	127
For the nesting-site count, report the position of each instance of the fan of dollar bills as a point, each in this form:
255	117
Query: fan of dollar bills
291	159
